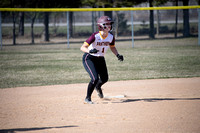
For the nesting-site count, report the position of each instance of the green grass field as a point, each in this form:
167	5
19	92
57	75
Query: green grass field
35	65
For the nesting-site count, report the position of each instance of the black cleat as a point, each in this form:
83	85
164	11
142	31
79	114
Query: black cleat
99	92
88	101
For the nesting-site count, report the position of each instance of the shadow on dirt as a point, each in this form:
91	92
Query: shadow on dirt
32	129
157	99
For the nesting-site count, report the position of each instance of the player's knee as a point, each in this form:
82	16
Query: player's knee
95	80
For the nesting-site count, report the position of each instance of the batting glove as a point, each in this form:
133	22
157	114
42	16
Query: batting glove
120	57
93	51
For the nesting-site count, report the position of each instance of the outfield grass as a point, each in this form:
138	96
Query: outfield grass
35	65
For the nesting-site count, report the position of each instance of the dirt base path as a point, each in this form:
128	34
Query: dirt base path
160	105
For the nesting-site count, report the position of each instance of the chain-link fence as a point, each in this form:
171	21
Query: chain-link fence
30	26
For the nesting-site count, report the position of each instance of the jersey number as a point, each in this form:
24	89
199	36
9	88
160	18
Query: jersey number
102	50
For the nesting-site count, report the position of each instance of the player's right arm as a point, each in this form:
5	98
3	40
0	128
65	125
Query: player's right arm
87	43
84	47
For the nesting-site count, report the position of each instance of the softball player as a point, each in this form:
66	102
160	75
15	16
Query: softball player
94	49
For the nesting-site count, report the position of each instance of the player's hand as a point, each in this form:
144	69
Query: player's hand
120	57
93	51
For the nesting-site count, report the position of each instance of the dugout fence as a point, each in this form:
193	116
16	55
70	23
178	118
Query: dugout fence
128	19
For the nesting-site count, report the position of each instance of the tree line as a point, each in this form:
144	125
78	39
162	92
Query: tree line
85	3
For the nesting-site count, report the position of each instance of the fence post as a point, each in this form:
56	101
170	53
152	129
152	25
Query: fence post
199	26
67	29
0	32
132	29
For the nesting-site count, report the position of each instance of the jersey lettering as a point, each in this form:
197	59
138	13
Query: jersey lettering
103	43
99	43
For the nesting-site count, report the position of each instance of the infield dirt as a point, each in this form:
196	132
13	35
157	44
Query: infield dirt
155	105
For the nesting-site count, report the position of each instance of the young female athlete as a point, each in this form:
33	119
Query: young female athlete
94	49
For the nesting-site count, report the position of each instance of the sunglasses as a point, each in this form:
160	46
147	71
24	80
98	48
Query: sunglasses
107	24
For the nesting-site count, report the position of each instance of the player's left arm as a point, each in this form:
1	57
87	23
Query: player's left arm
114	50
